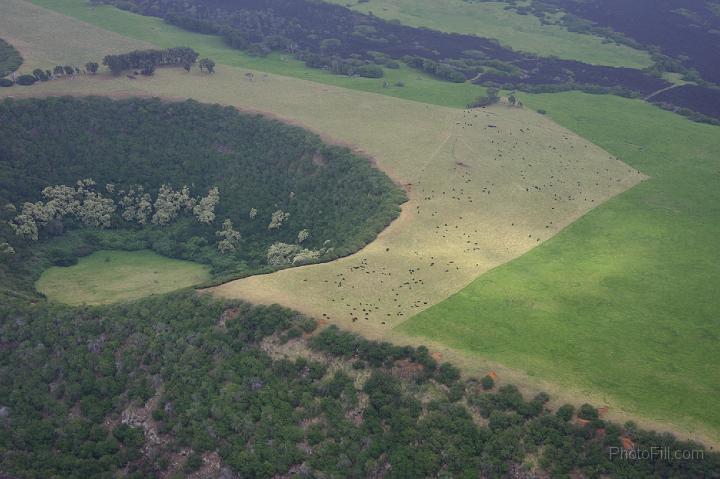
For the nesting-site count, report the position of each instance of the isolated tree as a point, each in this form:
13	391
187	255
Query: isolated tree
69	70
277	219
40	74
92	67
512	99
588	412
207	64
229	238
565	412
487	382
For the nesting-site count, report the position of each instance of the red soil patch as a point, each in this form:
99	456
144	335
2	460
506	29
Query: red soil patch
582	422
627	443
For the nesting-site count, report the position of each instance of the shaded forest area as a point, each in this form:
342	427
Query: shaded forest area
346	42
10	59
683	30
681	35
274	183
339	39
181	383
697	99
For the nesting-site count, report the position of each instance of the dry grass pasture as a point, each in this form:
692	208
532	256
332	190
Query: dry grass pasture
484	186
45	38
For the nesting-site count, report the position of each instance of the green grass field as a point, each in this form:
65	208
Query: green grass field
110	276
491	20
624	301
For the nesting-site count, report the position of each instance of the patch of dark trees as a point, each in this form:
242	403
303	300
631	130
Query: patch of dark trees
346	42
572	75
40	75
68	374
698	103
146	61
255	162
682	31
341	40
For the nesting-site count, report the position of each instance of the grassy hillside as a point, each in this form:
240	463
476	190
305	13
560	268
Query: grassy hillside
492	20
473	201
624	301
25	25
109	276
646	255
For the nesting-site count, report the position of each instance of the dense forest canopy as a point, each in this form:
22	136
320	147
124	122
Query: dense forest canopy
345	42
245	183
181	383
683	30
341	40
10	59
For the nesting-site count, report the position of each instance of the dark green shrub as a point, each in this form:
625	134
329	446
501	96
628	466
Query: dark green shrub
565	412
369	71
448	374
487	383
25	80
588	412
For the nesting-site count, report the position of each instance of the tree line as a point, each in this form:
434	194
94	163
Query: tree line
139	61
147	60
